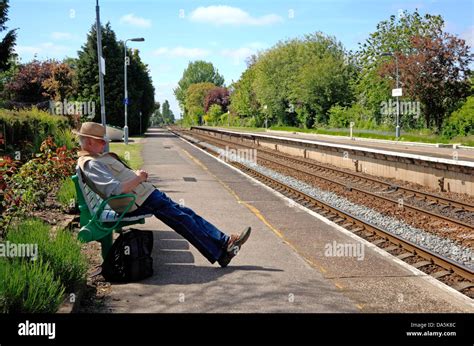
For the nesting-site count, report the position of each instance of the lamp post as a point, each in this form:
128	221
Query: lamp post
398	94
101	72
125	100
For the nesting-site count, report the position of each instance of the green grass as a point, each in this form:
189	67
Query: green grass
62	252
130	153
66	195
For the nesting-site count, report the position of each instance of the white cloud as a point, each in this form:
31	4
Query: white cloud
257	45
48	49
239	55
61	35
181	52
27	49
227	15
468	35
135	21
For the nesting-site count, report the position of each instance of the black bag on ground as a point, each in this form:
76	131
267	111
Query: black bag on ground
129	258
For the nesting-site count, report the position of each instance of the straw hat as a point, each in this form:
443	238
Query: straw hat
90	129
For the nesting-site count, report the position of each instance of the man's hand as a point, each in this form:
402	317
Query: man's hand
129	185
142	174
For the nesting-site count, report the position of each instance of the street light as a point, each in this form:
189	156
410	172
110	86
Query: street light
101	63
397	129
125	100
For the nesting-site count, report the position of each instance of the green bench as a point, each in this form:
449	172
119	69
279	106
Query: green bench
97	220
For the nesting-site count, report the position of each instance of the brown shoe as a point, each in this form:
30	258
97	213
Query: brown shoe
233	246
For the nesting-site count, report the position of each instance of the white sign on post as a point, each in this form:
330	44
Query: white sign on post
396	92
102	65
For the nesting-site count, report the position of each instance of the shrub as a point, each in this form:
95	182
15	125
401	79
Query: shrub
65	138
27	129
213	115
63	252
461	122
29	287
28	188
340	117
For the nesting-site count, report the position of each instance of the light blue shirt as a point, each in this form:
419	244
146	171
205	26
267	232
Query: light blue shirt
102	178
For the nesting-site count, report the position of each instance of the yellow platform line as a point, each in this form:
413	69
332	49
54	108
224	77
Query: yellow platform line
255	211
259	215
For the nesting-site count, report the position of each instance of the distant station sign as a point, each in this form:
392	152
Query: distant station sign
396	92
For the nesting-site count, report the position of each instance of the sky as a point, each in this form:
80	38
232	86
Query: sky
222	32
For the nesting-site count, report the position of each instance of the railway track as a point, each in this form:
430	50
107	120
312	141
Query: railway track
435	221
369	186
457	206
436	265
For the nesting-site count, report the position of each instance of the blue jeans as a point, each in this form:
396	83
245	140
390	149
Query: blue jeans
203	235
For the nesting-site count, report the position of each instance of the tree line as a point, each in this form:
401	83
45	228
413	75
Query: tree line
314	81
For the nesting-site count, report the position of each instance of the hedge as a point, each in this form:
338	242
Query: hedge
27	129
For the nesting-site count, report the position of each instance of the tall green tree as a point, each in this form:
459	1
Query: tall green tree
140	93
8	42
88	75
324	79
156	118
197	72
167	113
140	87
243	100
392	36
299	80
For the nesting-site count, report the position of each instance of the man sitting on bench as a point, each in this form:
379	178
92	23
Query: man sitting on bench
107	175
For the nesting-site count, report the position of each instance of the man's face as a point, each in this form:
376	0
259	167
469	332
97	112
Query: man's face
96	146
